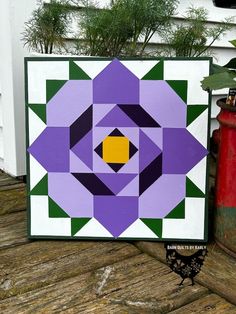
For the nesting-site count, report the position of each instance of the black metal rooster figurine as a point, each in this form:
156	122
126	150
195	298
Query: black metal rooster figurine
183	265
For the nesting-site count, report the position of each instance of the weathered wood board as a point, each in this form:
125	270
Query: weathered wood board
12	194
218	272
13	229
139	280
40	263
211	303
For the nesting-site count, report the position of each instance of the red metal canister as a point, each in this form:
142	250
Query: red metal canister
225	217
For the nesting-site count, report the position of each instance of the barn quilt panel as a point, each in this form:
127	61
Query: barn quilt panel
117	149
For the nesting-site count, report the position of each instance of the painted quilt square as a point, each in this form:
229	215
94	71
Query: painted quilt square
117	149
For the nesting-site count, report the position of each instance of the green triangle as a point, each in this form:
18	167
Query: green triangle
52	87
192	190
55	210
76	73
154	224
41	188
194	111
178	211
180	87
39	110
77	224
156	73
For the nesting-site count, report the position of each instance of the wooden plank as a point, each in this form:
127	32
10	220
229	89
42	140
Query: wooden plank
13	229
138	283
9	185
12	186
107	306
99	307
40	263
12	198
6	181
218	272
12	194
210	303
3	175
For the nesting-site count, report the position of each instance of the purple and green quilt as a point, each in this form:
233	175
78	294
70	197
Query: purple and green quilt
117	149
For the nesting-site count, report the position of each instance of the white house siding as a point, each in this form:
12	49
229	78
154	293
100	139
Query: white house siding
13	14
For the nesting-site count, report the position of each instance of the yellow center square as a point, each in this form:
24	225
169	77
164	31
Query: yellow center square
115	149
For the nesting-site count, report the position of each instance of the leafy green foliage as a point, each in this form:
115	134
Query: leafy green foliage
231	64
47	27
105	31
233	42
192	37
220	80
222	77
117	30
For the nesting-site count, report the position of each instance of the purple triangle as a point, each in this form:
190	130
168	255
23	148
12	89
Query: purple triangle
116	118
99	165
116	85
84	149
116	214
131	166
181	151
148	151
155	134
115	182
77	165
132	189
100	111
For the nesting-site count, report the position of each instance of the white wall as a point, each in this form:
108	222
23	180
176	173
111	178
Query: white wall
13	14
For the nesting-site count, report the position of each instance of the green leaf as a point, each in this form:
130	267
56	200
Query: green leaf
215	68
219	80
233	42
231	64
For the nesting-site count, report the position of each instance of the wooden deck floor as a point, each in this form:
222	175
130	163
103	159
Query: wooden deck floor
99	277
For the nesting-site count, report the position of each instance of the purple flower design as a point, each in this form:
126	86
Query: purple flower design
150	115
